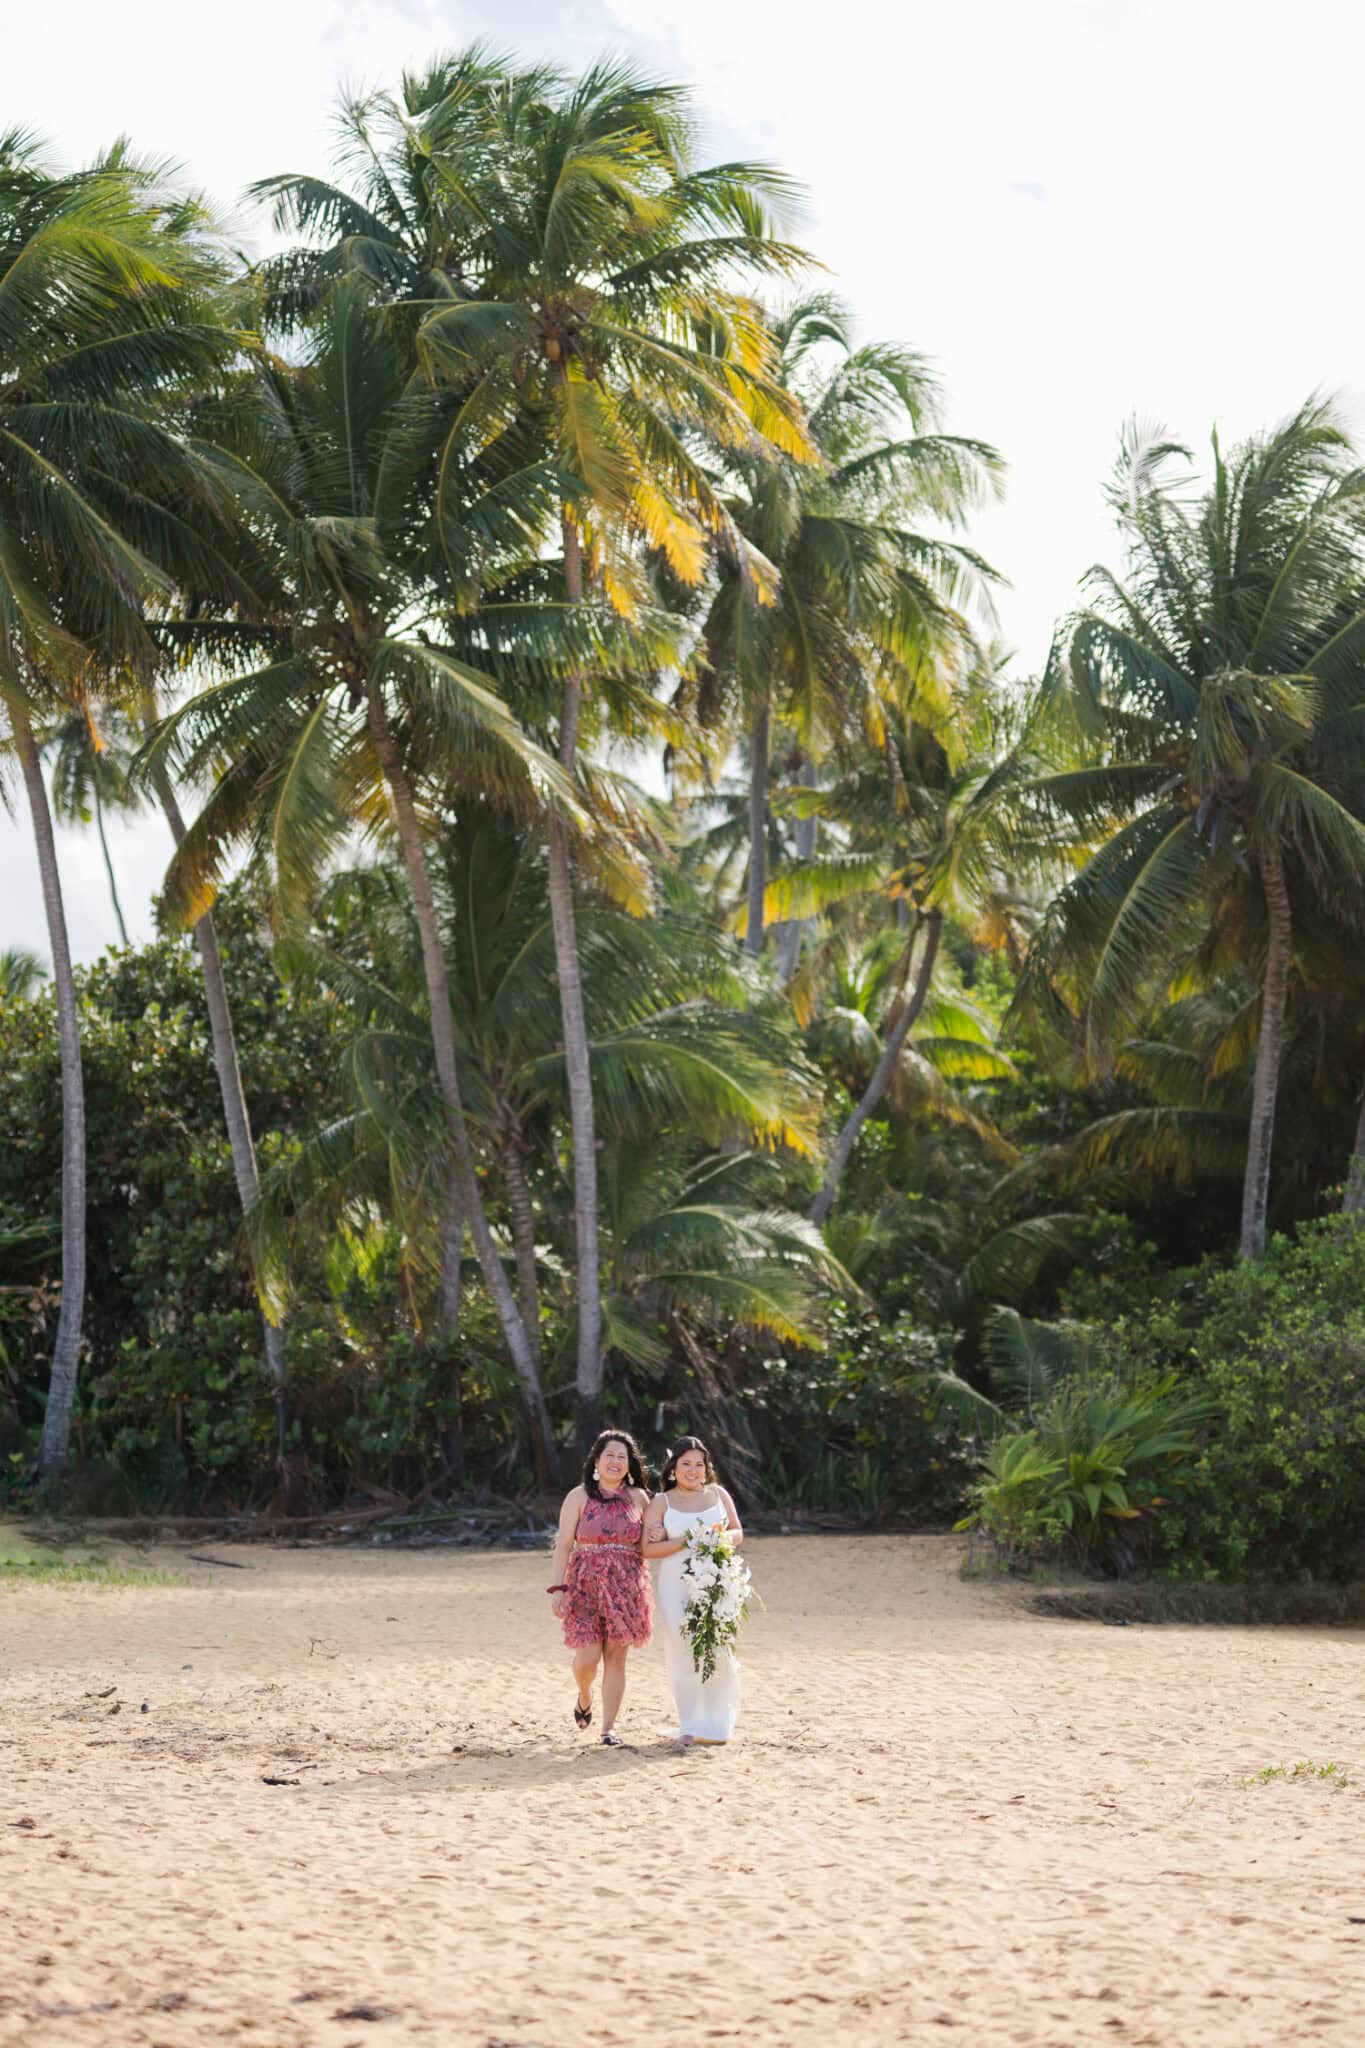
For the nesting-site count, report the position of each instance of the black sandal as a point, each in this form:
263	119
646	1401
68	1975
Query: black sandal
612	1739
583	1715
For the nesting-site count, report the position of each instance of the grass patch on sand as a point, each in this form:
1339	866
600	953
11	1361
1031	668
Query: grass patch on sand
26	1564
1332	1773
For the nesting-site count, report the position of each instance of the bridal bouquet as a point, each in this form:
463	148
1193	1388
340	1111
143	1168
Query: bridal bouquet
716	1595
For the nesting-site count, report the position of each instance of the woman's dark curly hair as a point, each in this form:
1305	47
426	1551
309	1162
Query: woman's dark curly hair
679	1450
637	1472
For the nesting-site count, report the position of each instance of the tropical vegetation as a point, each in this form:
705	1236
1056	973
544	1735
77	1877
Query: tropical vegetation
630	945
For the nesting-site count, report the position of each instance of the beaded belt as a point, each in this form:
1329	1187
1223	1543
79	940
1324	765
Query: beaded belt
602	1543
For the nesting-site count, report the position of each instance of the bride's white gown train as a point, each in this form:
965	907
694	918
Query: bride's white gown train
707	1712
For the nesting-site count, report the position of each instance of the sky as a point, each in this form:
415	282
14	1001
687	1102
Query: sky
1083	210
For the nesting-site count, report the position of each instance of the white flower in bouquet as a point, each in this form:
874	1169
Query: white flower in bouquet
716	1585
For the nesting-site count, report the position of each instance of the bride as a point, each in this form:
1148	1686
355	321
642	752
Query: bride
689	1498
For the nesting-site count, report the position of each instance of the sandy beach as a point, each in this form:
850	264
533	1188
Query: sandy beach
939	1811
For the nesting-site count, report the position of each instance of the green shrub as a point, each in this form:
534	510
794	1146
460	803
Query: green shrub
168	1269
174	1407
1278	1489
1013	1499
1090	1476
854	1430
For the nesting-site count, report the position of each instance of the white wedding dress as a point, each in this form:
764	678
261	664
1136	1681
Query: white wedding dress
706	1712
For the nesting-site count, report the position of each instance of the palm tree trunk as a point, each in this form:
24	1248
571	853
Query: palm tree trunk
1353	1201
577	1059
443	1043
452	1259
108	863
1265	1086
758	828
789	952
61	1393
448	1323
523	1239
241	1144
881	1075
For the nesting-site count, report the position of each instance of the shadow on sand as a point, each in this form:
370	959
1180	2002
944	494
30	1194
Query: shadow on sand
526	1763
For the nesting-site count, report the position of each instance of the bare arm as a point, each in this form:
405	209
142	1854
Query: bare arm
568	1527
654	1542
733	1523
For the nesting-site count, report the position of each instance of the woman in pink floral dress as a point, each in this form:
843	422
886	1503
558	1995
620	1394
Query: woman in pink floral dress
599	1579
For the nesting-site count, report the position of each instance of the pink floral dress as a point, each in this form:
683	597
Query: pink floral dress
609	1597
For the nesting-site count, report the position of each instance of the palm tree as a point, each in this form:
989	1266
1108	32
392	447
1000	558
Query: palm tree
1218	687
669	1049
866	599
1190	1071
236	1117
667	1040
95	326
603	309
928	829
90	773
177	516
694	1241
406	208
359	719
21	973
167	345
955	1047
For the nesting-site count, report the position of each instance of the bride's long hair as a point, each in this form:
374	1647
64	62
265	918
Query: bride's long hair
637	1472
680	1450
